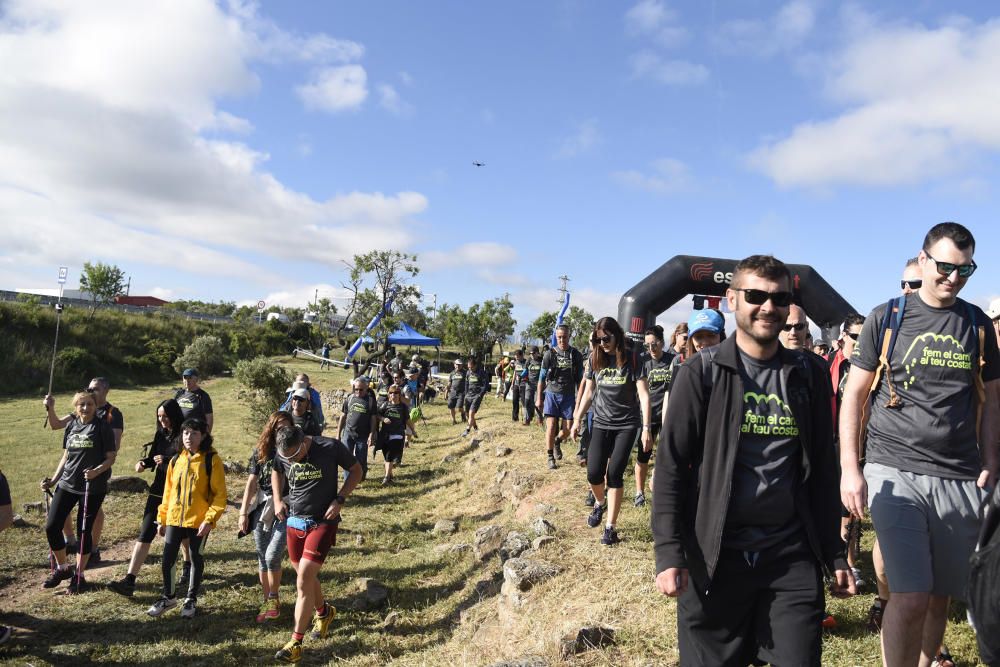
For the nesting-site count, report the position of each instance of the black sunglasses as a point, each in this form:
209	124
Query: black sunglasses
90	390
853	336
655	343
606	338
799	326
758	297
912	284
946	268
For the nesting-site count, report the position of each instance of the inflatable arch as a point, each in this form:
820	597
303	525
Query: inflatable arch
685	274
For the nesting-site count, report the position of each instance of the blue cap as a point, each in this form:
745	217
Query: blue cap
188	372
706	320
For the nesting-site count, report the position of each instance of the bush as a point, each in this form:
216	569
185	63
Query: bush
262	388
205	353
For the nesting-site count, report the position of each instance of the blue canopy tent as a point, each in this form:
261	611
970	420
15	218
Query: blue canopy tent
407	335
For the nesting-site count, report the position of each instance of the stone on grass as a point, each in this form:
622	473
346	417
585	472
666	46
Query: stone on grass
359	539
487	540
234	467
449	458
391	619
445	527
460	548
541	541
127	484
372	594
34	507
503	451
586	638
543	527
528	661
514	545
521	575
19	521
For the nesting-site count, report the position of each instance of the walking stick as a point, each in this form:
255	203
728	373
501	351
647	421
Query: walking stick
55	343
83	530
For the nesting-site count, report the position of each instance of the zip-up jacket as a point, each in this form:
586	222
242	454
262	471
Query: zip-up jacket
697	456
185	495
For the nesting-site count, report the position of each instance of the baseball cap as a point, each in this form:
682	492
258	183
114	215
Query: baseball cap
994	311
706	320
189	372
459	362
300	393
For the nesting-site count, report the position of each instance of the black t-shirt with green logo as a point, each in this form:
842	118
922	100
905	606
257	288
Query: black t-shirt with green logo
359	413
658	377
262	470
477	383
563	370
313	481
616	399
393	418
194	404
534	370
87	446
456	384
768	467
933	363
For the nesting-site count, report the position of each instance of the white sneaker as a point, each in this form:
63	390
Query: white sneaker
187	611
161	606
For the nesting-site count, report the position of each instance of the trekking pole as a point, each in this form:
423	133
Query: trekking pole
83	530
52	556
63	271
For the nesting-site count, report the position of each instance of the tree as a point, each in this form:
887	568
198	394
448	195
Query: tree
477	330
541	327
581	324
387	274
103	281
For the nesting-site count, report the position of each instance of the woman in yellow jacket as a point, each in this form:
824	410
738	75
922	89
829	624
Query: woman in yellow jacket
194	497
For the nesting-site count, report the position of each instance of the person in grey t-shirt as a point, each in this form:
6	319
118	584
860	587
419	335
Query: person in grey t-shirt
926	467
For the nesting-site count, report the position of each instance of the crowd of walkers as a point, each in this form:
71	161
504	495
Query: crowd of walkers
769	449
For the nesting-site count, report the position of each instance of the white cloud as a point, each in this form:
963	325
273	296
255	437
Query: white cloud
652	18
649	65
786	30
107	144
406	78
584	138
165	293
303	296
333	89
390	100
668	176
483	254
919	105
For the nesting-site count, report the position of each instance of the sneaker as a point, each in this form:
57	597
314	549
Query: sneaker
594	520
465	433
322	623
552	462
859	581
640	499
610	536
161	605
874	624
828	622
95	557
57	577
386	481
5	633
290	652
558	448
269	610
589	500
187	611
76	585
123	586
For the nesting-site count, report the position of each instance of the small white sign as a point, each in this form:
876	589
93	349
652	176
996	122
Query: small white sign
63	272
260	306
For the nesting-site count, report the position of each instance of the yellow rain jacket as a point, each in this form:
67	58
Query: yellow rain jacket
185	493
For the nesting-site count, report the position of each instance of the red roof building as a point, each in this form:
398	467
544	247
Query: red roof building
143	301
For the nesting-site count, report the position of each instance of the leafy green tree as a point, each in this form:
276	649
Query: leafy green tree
477	330
103	281
204	353
580	322
375	278
262	386
541	327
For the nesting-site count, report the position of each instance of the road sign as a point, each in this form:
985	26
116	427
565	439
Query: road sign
260	305
63	272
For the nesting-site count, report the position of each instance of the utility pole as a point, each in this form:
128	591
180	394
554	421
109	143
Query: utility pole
563	289
128	287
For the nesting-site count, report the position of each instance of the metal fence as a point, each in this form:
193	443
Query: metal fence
46	300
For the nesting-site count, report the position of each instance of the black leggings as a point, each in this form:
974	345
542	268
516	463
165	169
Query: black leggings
528	398
515	399
62	504
147	529
171	546
608	455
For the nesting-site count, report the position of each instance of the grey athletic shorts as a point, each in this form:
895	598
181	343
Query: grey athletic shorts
927	528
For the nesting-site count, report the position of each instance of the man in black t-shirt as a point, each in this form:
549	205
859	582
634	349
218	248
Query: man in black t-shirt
194	401
518	372
456	390
358	422
932	441
562	371
529	387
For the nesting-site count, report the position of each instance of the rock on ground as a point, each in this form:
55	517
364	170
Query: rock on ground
541	541
514	545
487	540
371	594
542	526
585	638
445	527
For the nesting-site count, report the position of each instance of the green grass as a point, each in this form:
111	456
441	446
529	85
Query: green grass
447	604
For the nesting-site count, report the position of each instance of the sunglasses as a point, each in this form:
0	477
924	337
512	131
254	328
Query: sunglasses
655	343
946	268
601	339
90	390
912	284
798	326
853	336
758	297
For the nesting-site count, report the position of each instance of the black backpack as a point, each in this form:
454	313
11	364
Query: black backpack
984	581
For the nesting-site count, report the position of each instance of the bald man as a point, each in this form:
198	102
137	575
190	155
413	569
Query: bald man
794	335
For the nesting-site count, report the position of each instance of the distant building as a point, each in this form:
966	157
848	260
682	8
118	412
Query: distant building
142	301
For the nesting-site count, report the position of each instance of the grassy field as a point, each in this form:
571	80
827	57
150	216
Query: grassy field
445	607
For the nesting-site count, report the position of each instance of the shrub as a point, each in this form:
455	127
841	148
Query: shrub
262	388
205	353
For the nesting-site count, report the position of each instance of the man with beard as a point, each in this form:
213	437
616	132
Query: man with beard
745	495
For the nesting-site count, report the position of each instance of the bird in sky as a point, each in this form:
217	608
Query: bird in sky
477	163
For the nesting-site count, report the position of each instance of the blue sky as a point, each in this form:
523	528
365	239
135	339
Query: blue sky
241	151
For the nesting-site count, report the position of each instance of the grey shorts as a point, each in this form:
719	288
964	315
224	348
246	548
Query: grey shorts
927	528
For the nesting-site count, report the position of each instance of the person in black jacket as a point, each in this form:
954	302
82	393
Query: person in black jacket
746	507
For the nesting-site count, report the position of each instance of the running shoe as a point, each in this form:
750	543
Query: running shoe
640	499
187	611
610	536
552	462
290	652
270	609
558	445
589	500
594	520
95	557
161	605
859	581
123	586
76	585
465	433
321	624
57	577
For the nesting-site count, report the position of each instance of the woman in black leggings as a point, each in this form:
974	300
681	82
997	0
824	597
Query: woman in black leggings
81	479
616	384
166	442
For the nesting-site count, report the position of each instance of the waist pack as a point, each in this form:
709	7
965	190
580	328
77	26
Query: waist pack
303	523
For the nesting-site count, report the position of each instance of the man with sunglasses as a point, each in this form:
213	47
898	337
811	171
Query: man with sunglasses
359	422
745	493
926	468
795	334
555	399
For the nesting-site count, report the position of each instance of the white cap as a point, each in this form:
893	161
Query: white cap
994	311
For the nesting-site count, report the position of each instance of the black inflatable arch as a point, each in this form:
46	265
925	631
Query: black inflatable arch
686	274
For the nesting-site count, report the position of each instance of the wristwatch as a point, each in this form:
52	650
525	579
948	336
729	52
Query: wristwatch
340	500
